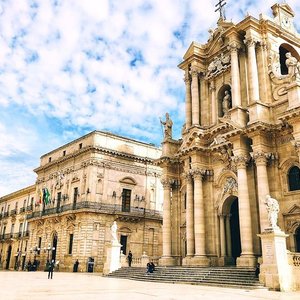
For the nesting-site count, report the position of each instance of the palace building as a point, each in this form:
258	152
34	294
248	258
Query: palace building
240	142
81	189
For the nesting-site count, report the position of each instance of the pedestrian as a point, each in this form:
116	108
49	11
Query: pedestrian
152	266
129	258
75	267
50	270
29	265
257	270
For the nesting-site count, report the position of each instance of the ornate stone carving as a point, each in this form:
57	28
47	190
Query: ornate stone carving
234	47
240	161
251	41
261	157
230	186
218	66
296	144
194	71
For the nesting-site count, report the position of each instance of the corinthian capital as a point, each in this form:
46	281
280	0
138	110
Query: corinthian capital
165	183
194	71
187	78
234	47
251	41
198	173
260	157
240	161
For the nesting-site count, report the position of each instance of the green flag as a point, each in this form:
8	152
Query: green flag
46	196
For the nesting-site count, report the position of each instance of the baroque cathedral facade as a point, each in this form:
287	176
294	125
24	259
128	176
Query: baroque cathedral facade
240	142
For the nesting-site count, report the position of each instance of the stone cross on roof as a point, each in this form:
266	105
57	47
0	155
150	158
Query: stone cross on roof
220	7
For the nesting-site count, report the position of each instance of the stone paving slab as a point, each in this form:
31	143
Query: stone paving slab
67	286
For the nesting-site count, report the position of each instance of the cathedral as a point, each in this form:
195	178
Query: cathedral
240	143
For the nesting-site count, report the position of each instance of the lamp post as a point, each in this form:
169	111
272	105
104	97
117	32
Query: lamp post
35	250
48	249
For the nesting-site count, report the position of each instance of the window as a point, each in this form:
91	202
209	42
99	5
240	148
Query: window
12	229
39	245
80	146
283	68
126	196
294	178
3	232
49	159
184	200
64	153
24	203
20	229
71	243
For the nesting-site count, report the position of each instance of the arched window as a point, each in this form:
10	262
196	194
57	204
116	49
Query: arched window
294	178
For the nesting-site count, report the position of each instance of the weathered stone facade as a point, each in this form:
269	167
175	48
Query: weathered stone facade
240	142
91	182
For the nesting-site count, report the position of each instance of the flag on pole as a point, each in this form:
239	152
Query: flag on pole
46	196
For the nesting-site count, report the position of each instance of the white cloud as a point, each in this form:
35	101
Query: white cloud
99	64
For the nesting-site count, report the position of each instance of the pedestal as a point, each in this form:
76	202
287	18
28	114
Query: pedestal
167	261
258	112
294	95
275	272
239	115
113	261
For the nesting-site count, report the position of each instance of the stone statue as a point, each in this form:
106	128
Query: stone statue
114	229
292	64
167	127
273	210
226	103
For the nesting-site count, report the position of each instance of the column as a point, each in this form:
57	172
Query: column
222	236
252	69
244	213
199	218
235	75
167	218
188	104
195	96
190	236
262	187
228	236
214	111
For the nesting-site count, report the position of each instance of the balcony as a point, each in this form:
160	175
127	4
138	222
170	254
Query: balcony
13	212
6	236
22	209
29	207
133	214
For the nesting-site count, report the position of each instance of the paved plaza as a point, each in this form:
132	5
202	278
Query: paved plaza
35	285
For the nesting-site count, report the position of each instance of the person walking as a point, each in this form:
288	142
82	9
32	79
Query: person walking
50	270
129	258
75	267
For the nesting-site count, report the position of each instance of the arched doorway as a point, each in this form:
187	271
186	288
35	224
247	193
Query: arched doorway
54	246
8	257
297	239
230	231
235	230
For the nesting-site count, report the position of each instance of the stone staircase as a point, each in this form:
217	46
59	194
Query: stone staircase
214	276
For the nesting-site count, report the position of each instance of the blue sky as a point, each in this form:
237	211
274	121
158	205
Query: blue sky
70	67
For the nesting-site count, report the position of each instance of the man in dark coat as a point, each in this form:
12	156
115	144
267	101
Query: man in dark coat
129	258
50	269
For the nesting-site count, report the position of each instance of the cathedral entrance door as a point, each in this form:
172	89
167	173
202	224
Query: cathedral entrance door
235	230
123	242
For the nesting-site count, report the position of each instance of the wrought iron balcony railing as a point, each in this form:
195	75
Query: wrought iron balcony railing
99	207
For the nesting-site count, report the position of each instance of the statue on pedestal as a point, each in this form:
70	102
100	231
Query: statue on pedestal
273	210
167	127
226	102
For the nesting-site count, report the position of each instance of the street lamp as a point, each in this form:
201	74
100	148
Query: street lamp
48	249
36	250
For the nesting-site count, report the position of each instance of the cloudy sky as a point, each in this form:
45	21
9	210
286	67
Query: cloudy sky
70	67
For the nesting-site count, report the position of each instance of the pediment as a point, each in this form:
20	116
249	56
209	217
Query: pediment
194	49
283	6
295	209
